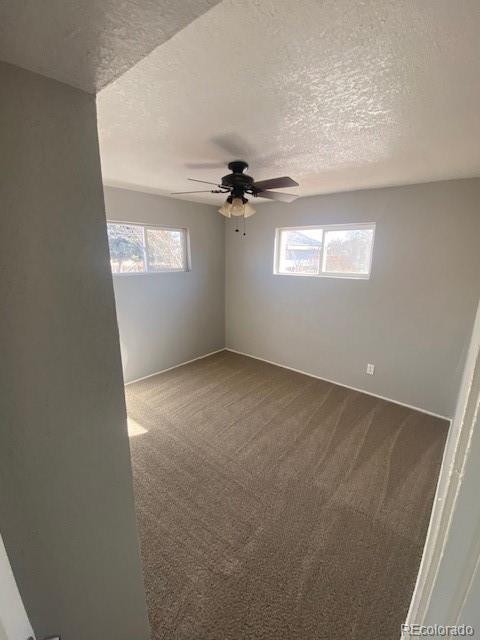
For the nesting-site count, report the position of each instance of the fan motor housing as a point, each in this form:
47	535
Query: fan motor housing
237	179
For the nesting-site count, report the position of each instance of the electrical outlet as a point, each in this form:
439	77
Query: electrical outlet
370	369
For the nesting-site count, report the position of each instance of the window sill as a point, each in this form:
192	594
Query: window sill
342	276
149	273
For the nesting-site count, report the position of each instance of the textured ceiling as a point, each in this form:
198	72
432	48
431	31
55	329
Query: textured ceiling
338	94
89	43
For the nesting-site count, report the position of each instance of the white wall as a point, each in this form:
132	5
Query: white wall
455	594
412	319
13	617
168	318
66	499
448	584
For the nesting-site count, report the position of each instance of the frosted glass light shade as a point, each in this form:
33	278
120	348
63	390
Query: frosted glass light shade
226	209
248	210
237	207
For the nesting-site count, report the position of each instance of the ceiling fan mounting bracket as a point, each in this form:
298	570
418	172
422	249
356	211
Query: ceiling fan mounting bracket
238	166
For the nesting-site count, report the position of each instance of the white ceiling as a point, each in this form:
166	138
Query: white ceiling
89	43
337	94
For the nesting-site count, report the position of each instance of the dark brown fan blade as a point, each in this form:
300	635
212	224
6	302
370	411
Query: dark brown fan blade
204	181
275	183
277	195
181	193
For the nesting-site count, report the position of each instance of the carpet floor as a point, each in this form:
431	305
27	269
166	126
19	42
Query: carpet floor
274	506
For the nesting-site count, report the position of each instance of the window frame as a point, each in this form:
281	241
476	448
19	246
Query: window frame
325	228
145	226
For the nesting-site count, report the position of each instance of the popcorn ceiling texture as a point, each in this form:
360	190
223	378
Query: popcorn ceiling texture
338	94
88	43
341	95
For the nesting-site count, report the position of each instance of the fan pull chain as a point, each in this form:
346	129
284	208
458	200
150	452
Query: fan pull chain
237	230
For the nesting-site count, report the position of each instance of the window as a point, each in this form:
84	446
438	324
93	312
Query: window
136	248
341	251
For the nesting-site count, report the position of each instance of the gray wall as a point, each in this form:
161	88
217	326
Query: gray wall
168	318
412	319
66	501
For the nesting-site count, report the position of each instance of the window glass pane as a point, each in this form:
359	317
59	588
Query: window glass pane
300	251
347	251
166	249
126	248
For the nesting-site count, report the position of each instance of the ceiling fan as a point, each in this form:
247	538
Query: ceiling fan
237	184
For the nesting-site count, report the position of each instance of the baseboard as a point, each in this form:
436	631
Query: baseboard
305	373
180	364
340	384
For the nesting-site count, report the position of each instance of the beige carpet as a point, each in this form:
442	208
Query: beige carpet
272	505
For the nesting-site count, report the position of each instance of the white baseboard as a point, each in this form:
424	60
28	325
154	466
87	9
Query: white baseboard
340	384
180	364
